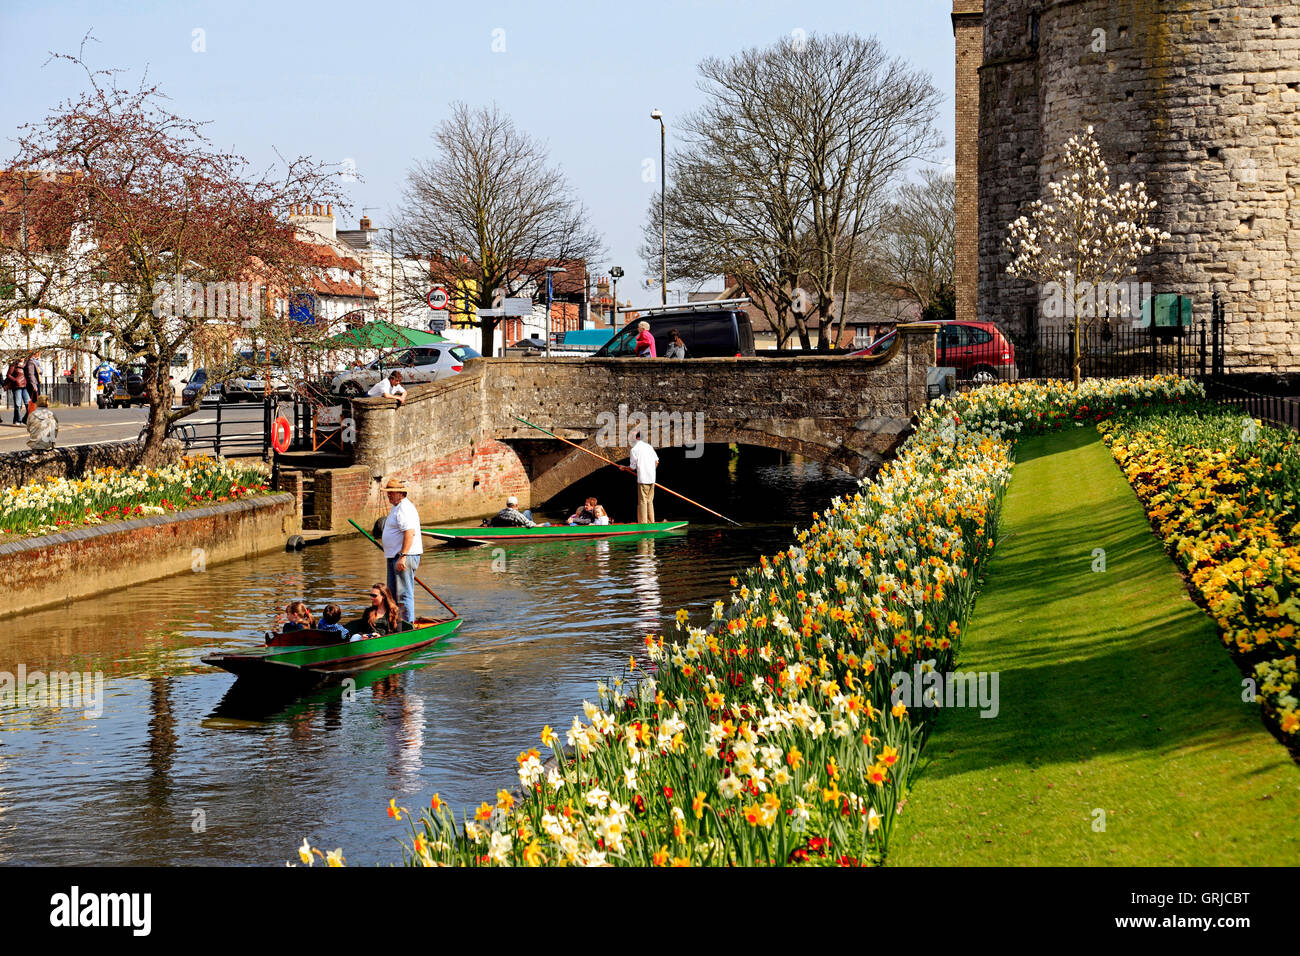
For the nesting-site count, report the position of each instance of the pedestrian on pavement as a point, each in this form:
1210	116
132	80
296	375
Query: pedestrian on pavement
644	461
16	385
677	347
645	342
403	546
33	372
42	426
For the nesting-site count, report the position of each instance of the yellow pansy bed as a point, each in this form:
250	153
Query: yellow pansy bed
1223	491
766	735
115	494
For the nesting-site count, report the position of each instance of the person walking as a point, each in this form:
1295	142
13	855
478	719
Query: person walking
32	369
645	342
644	461
16	385
403	546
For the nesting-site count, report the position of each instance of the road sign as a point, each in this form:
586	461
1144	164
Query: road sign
437	323
438	298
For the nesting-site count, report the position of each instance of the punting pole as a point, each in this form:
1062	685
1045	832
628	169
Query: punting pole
417	580
616	465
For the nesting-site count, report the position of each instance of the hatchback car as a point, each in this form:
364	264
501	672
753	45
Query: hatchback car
425	363
977	350
246	385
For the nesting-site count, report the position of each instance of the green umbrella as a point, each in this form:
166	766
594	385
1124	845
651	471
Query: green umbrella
381	335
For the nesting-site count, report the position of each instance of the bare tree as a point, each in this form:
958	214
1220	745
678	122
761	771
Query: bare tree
785	166
912	254
489	212
121	223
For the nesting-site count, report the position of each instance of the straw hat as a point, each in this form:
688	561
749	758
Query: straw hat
396	484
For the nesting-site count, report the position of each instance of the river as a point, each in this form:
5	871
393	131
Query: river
185	767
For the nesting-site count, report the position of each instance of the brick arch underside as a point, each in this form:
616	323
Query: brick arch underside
578	465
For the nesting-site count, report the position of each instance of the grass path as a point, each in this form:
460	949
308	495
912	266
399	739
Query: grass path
1115	694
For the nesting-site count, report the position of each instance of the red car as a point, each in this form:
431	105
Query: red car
977	350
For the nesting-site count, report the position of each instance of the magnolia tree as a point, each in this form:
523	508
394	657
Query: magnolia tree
1084	240
142	242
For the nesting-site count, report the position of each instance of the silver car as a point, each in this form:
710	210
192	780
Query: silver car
424	363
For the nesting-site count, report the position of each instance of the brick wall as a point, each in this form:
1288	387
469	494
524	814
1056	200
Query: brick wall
968	34
49	570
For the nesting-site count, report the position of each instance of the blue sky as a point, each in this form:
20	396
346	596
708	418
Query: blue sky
367	82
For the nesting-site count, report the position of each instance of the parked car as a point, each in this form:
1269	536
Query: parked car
977	350
425	363
246	385
707	331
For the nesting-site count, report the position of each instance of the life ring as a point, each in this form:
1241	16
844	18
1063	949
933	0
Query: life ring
280	436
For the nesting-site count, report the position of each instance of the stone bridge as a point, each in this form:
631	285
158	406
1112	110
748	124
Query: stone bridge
460	446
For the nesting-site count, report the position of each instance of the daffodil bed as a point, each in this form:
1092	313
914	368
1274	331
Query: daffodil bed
767	735
115	494
1223	492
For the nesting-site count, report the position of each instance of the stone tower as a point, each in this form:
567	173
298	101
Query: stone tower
1198	99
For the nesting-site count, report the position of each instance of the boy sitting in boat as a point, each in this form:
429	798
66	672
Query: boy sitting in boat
330	621
590	513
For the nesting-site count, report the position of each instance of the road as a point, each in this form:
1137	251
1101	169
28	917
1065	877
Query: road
91	425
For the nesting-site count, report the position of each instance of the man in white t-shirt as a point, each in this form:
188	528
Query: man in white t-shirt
643	463
403	545
391	386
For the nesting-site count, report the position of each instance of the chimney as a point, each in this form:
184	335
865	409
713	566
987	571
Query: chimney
329	210
365	223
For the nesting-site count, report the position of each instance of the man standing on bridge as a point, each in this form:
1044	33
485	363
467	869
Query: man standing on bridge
643	463
403	546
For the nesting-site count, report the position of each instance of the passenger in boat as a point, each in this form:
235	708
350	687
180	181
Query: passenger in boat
330	621
382	617
590	513
511	517
300	618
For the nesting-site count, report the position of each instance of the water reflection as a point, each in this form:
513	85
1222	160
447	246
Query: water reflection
268	767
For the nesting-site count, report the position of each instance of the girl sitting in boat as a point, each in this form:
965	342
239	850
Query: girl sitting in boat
382	617
590	513
299	617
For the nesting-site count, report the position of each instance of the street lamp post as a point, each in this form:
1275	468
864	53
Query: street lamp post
615	274
550	297
663	223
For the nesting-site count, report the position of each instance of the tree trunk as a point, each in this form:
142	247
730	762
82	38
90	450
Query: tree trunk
1076	374
156	425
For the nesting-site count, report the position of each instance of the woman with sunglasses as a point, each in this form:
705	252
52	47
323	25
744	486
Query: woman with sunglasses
382	617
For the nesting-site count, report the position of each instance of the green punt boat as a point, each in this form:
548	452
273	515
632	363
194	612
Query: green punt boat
548	532
318	653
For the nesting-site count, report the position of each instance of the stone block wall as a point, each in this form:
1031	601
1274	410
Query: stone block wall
20	467
1198	99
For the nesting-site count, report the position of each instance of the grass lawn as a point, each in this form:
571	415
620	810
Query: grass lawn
1115	694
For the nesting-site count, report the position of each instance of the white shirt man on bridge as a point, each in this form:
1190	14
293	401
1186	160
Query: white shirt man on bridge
644	461
386	387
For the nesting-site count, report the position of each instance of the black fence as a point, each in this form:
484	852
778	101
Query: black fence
1276	409
1115	349
225	428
